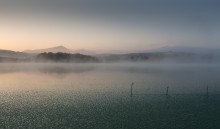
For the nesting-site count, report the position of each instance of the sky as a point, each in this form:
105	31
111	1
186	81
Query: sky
108	24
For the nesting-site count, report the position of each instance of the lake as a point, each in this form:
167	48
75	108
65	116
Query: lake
98	96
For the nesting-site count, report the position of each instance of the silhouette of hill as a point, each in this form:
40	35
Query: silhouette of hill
65	57
60	49
187	49
161	56
53	50
13	54
172	54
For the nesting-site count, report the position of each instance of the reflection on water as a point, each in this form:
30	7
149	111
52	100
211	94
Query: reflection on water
98	96
148	78
45	68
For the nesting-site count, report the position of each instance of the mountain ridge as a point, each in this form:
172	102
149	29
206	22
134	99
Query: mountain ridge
188	49
51	49
13	54
178	54
60	48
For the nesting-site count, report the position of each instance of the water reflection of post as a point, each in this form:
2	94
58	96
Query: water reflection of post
167	92
207	91
131	114
132	84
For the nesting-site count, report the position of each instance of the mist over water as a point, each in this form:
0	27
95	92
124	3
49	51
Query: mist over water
150	78
84	96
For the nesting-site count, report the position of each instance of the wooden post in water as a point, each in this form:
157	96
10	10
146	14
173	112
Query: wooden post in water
132	84
167	92
207	91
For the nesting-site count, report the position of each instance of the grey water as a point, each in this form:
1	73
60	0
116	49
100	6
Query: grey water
97	96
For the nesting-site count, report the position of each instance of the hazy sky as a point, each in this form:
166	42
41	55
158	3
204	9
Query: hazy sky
108	24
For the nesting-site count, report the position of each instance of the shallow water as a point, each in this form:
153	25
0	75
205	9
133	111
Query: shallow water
98	96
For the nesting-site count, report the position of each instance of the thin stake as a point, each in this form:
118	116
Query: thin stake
167	91
207	90
132	88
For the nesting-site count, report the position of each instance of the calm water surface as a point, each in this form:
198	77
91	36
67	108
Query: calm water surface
97	96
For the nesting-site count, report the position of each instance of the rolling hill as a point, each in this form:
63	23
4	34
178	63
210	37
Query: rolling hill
13	54
60	49
53	50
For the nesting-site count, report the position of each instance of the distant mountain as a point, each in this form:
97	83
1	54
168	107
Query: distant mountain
173	54
53	50
181	57
197	50
132	57
60	49
13	54
65	58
